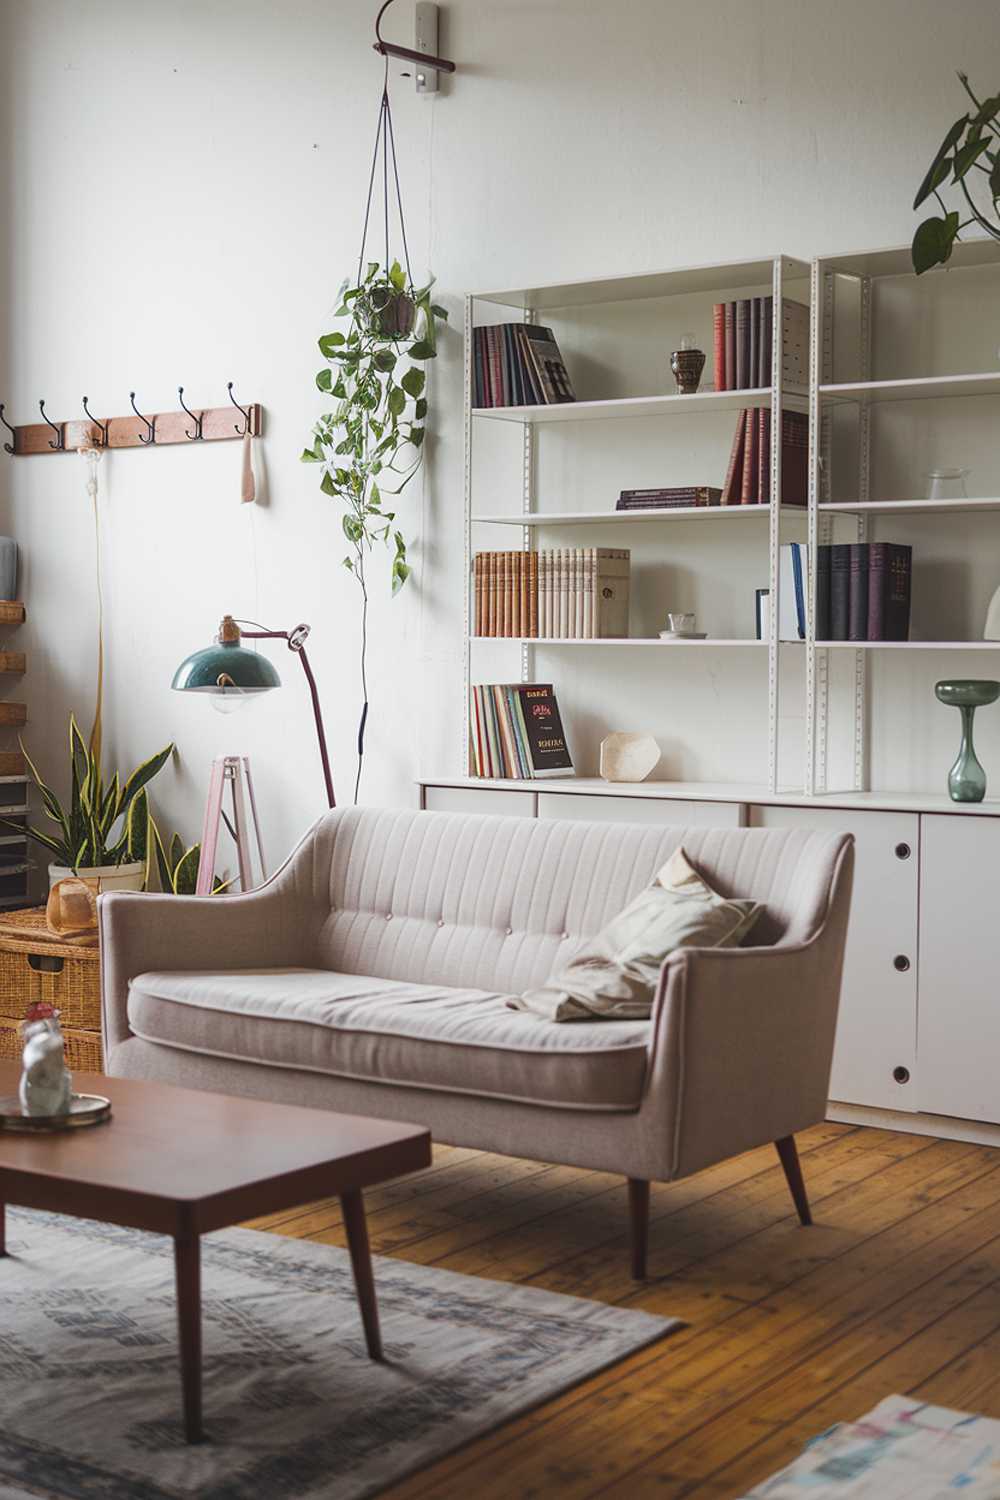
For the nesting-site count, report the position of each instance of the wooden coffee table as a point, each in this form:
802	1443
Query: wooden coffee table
183	1163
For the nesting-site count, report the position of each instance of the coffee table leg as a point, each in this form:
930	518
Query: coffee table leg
187	1265
361	1262
3	1229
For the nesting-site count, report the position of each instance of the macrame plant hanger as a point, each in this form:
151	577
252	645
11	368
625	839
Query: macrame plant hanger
385	142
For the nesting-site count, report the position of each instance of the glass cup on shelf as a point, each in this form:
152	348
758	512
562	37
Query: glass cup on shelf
947	484
680	624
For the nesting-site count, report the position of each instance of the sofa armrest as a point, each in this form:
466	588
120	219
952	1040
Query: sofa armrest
743	1038
139	932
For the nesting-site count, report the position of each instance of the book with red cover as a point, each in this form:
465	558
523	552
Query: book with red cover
729	325
748	482
719	345
890	567
762	488
794	457
754	371
766	340
734	471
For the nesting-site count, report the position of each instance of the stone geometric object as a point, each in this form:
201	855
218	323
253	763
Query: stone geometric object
628	757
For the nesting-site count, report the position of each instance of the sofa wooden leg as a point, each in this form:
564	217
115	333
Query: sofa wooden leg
793	1176
638	1206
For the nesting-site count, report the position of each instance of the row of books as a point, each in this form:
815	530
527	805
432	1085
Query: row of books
742	343
669	497
748	473
566	593
518	364
515	731
862	592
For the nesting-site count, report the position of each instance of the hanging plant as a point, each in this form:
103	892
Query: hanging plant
371	444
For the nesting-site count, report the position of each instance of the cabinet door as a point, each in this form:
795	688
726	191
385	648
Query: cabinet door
959	990
475	799
874	1061
661	810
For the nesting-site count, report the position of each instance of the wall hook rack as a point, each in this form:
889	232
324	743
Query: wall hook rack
60	443
390	49
136	430
240	431
197	435
102	427
150	434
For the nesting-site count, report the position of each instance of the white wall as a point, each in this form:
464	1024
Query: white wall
182	189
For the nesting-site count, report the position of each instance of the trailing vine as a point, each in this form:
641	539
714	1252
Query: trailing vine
371	444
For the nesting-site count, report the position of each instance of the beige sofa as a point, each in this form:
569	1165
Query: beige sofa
370	975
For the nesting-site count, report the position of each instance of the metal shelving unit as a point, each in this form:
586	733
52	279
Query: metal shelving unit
862	271
530	302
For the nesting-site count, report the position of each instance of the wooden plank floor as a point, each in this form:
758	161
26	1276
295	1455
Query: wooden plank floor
896	1287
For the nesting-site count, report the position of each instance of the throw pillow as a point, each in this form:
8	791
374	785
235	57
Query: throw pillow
613	976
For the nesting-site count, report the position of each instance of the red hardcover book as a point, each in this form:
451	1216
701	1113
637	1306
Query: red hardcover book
719	345
743	381
762	490
794	457
495	366
729	326
734	471
749	476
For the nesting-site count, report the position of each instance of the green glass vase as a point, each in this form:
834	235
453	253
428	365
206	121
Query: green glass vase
967	779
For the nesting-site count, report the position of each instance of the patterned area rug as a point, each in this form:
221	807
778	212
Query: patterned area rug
90	1390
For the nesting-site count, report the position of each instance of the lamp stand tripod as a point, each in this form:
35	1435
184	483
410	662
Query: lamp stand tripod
232	771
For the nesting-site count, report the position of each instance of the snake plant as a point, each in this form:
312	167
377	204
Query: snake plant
106	822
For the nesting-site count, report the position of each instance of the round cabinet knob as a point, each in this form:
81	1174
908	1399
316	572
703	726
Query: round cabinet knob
903	851
901	1075
901	962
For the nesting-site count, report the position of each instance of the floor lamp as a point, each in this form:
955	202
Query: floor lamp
229	673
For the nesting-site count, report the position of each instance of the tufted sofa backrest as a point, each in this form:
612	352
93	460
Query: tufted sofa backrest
493	903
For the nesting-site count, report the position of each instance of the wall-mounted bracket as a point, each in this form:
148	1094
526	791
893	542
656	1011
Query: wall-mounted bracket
425	53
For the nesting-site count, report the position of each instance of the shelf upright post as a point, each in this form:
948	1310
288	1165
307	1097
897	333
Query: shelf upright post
824	530
467	538
527	506
774	524
818	527
864	495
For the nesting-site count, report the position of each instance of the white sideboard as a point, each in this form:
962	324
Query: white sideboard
919	1029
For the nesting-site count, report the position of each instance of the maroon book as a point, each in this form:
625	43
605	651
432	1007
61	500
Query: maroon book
719	345
743	344
729	325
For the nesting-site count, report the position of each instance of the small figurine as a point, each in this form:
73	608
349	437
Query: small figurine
46	1086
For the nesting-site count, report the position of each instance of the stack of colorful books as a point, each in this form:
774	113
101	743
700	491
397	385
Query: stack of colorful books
673	497
566	593
518	364
515	732
742	342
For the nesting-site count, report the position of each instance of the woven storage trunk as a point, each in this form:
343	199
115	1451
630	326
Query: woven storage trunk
36	966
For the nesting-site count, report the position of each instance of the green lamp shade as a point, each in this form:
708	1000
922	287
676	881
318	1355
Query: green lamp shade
226	667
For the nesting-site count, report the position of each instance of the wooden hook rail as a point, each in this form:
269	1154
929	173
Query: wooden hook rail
216	424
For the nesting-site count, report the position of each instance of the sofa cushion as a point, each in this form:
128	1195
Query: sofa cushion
419	1035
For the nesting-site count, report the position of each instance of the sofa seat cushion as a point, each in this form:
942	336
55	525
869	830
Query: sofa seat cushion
389	1031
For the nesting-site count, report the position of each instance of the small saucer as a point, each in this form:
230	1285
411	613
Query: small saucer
686	635
84	1109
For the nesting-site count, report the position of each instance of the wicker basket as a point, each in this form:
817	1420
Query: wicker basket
82	1048
36	966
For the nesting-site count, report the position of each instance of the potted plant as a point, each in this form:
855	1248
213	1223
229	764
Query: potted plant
371	444
103	833
970	156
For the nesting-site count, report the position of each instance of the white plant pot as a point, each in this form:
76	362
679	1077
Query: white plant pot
108	877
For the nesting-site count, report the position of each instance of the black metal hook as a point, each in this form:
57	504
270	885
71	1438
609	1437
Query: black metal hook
240	431
150	425
8	447
102	427
194	436
60	443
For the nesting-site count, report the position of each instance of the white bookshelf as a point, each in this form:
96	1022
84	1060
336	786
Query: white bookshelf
714	283
865	276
